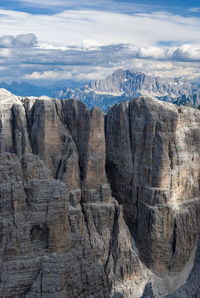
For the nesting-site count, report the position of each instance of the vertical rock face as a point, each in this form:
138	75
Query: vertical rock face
9	106
62	234
153	167
87	130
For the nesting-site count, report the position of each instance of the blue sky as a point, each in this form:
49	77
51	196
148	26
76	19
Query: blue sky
84	40
128	6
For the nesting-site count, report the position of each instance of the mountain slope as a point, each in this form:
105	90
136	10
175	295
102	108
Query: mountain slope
127	84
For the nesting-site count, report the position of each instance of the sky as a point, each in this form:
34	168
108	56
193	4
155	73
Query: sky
46	41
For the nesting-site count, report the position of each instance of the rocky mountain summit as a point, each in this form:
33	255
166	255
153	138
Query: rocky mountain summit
95	205
128	84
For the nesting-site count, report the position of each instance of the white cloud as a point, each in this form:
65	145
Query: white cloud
38	75
21	40
25	40
184	52
50	75
194	9
90	44
167	69
90	61
6	41
152	52
187	52
72	27
5	53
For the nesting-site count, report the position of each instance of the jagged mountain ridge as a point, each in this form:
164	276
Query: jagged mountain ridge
95	205
129	84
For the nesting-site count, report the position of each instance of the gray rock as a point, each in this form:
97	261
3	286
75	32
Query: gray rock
192	286
62	234
128	84
152	151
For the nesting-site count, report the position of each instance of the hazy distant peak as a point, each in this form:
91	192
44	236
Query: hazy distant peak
125	84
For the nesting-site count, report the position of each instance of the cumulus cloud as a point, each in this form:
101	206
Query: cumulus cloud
50	75
152	52
21	40
25	40
187	53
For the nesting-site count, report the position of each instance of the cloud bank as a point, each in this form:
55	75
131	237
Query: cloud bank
23	58
90	44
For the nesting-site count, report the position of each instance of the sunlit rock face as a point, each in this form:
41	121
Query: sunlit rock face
153	167
77	187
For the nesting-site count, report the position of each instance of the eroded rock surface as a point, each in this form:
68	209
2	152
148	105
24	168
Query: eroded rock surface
62	234
153	167
62	227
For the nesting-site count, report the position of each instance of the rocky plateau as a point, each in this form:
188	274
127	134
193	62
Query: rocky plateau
95	205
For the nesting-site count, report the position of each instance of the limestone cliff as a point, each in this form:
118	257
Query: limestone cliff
72	201
153	168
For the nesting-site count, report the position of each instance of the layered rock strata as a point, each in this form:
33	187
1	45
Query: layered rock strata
64	232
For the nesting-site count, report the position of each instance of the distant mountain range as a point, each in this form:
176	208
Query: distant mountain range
127	84
121	85
26	89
